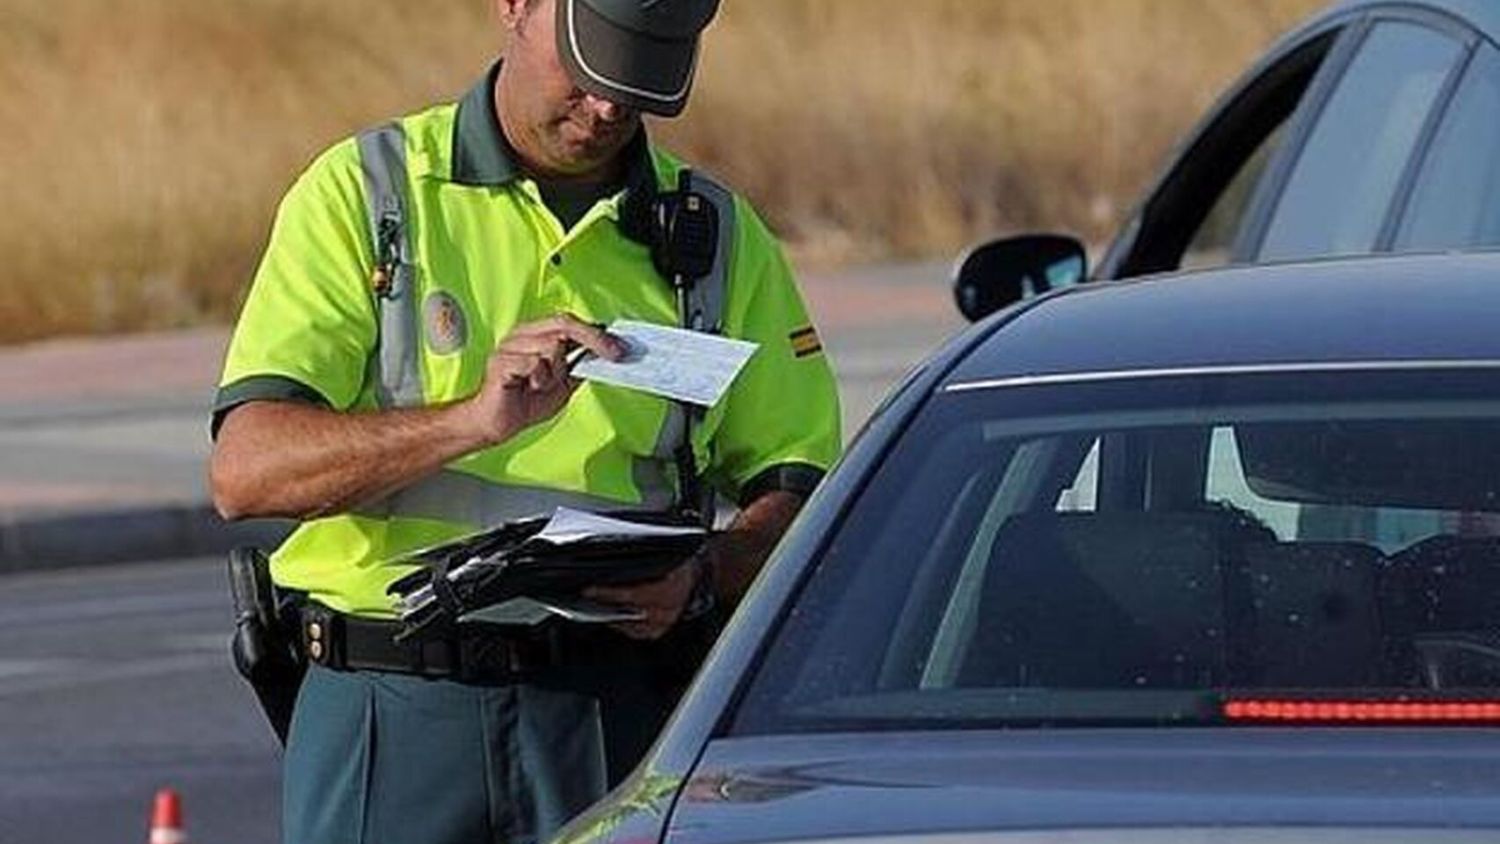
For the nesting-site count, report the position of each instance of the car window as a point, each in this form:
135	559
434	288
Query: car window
1214	241
1346	176
1082	494
1142	552
1456	202
1195	214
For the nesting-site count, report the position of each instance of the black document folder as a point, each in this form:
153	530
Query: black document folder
551	559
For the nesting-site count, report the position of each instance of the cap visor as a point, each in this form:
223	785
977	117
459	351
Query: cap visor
626	67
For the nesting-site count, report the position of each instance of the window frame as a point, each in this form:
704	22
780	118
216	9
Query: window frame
1396	222
1264	205
1157	234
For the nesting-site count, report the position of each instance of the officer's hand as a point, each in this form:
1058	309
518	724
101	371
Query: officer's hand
526	379
662	601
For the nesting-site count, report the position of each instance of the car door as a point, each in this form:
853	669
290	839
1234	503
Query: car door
1352	168
1312	155
1197	209
1455	199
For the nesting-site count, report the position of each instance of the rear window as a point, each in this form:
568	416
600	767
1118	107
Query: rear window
1157	551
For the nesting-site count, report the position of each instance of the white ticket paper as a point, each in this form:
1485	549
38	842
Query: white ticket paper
568	525
687	365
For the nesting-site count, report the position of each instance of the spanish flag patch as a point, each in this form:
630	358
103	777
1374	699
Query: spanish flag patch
805	342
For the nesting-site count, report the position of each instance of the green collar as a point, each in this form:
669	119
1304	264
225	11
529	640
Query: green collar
482	157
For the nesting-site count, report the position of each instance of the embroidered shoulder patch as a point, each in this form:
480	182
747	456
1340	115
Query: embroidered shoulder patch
805	342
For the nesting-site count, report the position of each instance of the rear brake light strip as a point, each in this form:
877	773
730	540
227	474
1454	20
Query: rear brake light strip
1362	711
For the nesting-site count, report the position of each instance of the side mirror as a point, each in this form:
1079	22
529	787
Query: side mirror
1002	272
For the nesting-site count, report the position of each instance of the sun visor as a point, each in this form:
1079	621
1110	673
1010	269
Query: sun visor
1440	464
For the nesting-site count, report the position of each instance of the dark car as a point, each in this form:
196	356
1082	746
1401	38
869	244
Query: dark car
1373	128
1207	556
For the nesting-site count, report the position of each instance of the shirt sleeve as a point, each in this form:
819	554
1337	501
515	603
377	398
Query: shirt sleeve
781	425
308	325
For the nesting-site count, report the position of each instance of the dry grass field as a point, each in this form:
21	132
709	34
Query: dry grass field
145	144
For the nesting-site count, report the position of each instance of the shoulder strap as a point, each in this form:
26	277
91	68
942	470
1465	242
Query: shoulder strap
706	300
396	363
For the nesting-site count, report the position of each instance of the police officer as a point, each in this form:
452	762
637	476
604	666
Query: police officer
397	378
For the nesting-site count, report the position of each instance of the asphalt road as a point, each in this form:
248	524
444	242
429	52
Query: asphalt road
115	681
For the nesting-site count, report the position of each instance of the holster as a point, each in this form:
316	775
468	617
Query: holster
266	645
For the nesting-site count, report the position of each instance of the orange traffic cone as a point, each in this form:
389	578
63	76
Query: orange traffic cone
166	819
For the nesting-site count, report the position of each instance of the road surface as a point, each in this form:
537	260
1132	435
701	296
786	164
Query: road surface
115	682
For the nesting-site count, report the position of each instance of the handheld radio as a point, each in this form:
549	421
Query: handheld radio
684	245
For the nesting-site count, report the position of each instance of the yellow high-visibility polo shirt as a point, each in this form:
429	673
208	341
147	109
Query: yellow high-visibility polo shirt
489	257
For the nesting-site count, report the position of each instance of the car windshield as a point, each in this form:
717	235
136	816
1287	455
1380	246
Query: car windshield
1158	549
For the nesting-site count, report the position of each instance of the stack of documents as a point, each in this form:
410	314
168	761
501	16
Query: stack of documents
524	572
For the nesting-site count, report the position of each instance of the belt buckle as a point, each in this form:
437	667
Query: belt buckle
490	658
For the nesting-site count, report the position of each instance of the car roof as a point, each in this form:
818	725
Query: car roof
1483	15
1410	308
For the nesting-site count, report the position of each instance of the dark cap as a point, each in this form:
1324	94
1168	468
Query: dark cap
638	53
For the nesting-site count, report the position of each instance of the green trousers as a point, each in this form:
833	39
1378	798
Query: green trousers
377	758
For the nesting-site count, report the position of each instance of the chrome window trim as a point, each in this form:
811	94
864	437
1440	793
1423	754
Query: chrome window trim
1100	376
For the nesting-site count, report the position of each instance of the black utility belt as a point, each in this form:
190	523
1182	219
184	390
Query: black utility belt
483	655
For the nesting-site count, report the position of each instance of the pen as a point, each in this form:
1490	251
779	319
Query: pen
574	356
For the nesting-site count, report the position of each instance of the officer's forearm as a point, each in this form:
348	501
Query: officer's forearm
738	553
299	461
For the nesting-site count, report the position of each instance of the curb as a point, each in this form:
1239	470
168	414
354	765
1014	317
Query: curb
126	535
